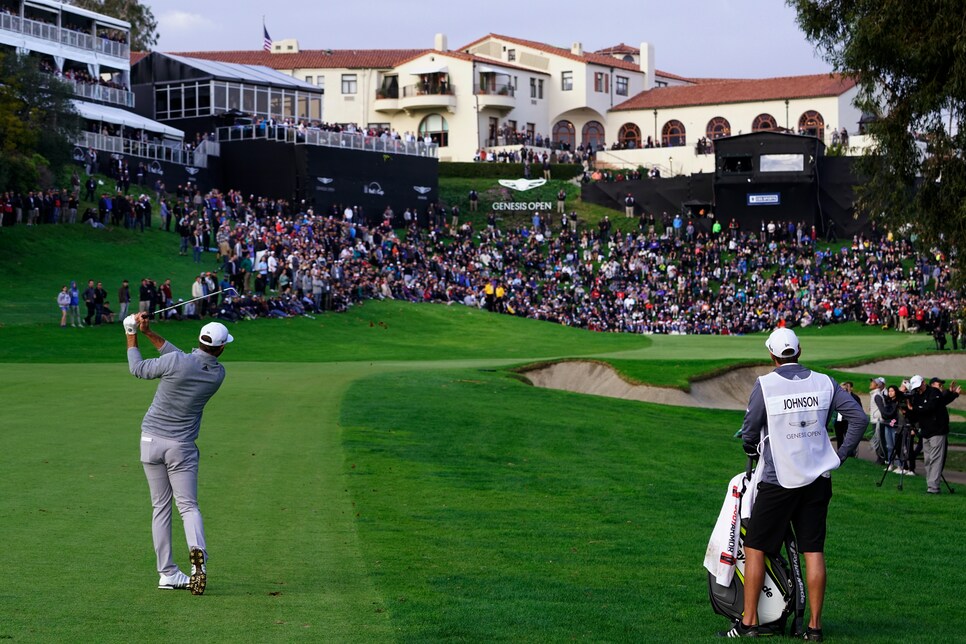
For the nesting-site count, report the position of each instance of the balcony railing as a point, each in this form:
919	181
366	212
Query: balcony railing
495	89
102	93
325	138
172	153
68	37
420	89
112	48
77	39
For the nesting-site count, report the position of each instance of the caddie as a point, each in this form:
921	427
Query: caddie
786	424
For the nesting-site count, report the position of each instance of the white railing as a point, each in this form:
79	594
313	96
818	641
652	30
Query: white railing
77	39
102	93
170	152
69	37
111	48
325	138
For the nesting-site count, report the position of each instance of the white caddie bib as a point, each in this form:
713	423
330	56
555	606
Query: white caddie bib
797	414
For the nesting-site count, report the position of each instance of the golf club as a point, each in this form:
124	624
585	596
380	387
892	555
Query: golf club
195	299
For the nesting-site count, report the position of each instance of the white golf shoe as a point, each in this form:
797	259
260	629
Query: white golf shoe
177	581
199	575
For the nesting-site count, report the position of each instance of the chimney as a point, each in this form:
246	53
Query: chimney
439	43
577	49
647	64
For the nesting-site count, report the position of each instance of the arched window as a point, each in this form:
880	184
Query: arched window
436	127
592	135
717	128
764	123
564	135
673	134
627	58
811	123
629	136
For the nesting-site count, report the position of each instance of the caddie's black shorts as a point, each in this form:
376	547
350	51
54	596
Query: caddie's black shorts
805	508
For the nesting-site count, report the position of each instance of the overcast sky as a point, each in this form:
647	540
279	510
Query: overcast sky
698	38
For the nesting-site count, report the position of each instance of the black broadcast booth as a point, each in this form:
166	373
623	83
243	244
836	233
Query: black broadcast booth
763	176
775	176
252	109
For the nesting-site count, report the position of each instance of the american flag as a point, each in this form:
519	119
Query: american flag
267	44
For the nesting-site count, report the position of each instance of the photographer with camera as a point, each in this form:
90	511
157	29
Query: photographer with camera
927	407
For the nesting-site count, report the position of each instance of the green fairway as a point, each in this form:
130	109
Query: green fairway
383	475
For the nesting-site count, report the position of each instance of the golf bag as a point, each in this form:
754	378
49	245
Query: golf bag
783	592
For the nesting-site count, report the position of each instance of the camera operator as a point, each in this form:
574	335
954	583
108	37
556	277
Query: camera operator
927	407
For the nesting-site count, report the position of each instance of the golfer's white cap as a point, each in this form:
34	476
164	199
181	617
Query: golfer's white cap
214	334
915	382
782	343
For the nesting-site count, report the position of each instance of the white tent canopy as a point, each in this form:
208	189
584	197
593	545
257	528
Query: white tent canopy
98	112
483	69
430	69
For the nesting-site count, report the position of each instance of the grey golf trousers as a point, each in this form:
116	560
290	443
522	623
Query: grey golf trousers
171	468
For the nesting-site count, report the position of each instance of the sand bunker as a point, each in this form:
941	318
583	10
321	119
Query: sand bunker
728	390
948	366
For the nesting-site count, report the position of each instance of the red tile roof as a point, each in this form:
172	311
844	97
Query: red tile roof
462	55
312	58
620	49
739	91
136	56
586	57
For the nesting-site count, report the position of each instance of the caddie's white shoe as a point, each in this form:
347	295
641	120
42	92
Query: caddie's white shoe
177	581
199	576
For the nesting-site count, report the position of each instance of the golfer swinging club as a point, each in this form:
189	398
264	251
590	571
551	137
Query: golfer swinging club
787	423
168	432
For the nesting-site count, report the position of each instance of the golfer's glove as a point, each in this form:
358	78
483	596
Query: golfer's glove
130	325
750	450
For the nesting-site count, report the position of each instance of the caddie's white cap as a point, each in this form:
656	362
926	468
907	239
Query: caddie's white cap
782	343
915	382
214	334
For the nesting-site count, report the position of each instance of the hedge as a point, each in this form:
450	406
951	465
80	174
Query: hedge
454	170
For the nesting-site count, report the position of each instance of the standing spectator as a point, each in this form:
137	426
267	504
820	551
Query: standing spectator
184	230
629	206
474	200
884	435
63	302
198	291
198	245
89	302
144	297
123	299
927	407
561	202
100	299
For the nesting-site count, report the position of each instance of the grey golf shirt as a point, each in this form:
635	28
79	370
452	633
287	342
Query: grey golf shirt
756	418
188	381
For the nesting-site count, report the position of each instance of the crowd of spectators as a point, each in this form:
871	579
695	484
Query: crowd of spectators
651	274
80	76
664	275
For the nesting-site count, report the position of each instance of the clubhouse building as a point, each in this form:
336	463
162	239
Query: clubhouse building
499	91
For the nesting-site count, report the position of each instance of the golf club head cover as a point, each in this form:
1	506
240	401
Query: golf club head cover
130	325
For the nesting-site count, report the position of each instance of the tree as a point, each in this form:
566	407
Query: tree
144	27
38	123
909	61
